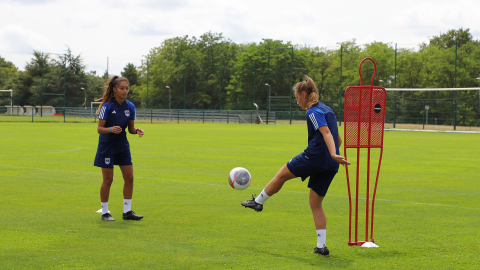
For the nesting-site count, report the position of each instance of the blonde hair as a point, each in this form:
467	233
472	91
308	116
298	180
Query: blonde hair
109	95
310	88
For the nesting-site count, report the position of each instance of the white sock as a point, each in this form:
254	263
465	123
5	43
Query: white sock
321	238
104	208
127	205
262	197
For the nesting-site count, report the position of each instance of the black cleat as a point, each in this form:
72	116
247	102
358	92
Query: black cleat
107	217
130	215
322	251
252	204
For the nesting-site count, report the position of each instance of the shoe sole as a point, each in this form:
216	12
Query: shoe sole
321	253
257	210
254	209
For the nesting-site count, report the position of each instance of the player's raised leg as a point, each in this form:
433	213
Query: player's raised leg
128	214
105	192
274	186
320	220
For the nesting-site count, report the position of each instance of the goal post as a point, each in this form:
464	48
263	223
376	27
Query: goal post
11	95
92	114
449	109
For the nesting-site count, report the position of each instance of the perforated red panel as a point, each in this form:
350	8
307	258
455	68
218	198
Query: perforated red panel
363	123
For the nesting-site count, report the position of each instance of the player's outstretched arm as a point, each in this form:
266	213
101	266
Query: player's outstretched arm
327	136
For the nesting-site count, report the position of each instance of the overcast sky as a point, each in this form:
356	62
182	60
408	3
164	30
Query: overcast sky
125	31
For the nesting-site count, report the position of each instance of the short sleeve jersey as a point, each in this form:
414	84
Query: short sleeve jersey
317	153
115	115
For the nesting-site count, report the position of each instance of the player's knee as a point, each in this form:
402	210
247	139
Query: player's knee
128	178
280	179
107	182
315	203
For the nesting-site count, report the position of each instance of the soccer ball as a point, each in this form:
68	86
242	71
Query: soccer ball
239	178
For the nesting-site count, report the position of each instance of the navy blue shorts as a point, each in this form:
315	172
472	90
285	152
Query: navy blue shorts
320	179
108	160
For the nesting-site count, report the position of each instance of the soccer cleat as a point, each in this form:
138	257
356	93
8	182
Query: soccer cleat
252	204
107	217
322	251
130	215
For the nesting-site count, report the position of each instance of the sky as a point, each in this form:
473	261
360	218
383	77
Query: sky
120	32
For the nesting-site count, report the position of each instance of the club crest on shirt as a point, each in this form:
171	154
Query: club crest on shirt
127	113
107	161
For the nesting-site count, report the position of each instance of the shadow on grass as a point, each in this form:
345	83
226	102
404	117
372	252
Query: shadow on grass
336	260
310	259
119	224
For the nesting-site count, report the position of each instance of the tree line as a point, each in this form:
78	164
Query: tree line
213	72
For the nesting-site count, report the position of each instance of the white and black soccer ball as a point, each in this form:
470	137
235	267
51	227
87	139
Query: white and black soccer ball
239	178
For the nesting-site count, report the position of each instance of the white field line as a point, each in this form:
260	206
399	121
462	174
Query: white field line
218	185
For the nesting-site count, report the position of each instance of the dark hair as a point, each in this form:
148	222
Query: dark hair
308	86
108	95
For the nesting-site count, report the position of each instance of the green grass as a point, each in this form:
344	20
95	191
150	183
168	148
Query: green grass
427	212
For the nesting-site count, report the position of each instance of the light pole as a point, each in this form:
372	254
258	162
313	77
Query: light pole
169	97
478	79
83	89
269	93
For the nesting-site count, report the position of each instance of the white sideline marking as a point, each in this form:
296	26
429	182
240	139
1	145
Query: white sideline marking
217	185
49	152
65	151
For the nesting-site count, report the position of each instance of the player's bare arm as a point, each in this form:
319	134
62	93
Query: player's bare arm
105	130
327	135
133	130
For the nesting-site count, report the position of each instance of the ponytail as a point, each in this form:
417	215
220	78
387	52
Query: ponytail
109	95
308	86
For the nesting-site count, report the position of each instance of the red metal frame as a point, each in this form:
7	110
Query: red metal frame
363	128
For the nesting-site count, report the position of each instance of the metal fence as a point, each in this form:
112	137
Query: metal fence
59	114
399	114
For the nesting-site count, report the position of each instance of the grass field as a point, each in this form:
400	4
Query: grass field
427	213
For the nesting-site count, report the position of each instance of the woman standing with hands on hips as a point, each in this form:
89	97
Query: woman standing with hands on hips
116	115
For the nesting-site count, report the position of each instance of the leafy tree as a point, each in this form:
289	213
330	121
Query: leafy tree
130	72
447	40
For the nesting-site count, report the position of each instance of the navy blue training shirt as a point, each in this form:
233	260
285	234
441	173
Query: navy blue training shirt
317	153
115	115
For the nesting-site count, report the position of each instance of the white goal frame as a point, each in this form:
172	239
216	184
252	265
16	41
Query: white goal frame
432	89
11	95
91	106
436	89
